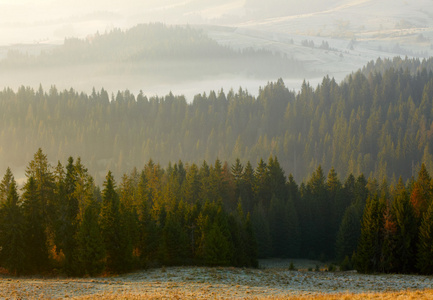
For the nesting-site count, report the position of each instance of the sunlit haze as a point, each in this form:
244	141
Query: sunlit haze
355	31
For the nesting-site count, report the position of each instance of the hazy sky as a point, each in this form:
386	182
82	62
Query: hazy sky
50	21
24	21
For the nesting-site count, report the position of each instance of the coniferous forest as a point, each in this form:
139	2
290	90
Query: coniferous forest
347	176
379	125
216	215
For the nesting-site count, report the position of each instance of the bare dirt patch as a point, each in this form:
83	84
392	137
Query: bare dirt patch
273	280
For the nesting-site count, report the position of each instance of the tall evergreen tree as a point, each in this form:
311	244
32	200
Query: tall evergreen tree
349	232
12	232
40	169
260	224
90	244
369	246
69	221
425	246
119	257
174	241
422	193
5	185
36	250
407	233
247	188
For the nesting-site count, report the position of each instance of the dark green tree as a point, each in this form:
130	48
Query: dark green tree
425	245
260	224
407	233
36	250
369	247
119	254
174	241
90	244
349	231
12	232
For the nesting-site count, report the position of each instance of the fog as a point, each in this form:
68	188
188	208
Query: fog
50	21
318	38
354	32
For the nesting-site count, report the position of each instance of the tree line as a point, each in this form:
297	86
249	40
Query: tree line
216	215
173	216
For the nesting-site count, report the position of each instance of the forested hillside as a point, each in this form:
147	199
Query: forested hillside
379	125
155	51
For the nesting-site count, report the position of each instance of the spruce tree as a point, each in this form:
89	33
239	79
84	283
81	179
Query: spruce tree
12	232
251	243
128	194
369	246
70	219
40	169
90	244
5	185
217	247
247	188
349	232
36	251
425	244
119	256
260	224
148	235
407	233
389	231
421	193
174	241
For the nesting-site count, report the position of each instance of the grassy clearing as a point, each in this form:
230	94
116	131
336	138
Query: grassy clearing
275	280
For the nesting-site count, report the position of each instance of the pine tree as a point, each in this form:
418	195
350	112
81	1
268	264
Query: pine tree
148	236
69	222
407	233
191	187
283	223
247	188
128	193
237	171
387	261
5	185
261	187
40	169
119	254
251	243
36	250
260	224
90	244
425	244
320	235
12	232
338	206
349	232
369	246
421	193
174	241
217	248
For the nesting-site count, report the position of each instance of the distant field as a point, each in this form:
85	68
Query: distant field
272	281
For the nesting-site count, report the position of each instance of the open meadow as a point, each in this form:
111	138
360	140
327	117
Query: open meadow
273	280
